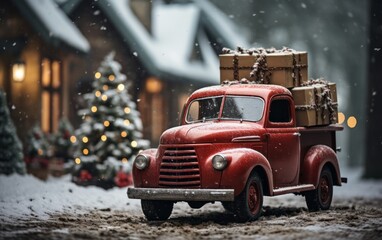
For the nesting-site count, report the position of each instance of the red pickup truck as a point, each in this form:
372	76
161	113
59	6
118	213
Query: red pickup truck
237	143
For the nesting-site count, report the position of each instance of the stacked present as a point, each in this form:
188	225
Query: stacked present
315	103
315	100
285	67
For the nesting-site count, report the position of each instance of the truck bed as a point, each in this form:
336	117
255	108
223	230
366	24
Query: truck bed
323	135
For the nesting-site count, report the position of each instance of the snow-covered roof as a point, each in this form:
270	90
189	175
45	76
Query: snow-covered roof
162	55
54	26
175	28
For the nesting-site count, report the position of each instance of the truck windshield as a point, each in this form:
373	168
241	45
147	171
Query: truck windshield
235	108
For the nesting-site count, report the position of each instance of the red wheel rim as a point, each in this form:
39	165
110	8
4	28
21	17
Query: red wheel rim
253	198
324	190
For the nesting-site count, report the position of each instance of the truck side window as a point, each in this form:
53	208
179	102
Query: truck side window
280	111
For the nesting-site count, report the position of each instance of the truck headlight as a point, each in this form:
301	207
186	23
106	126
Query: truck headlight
219	162
142	162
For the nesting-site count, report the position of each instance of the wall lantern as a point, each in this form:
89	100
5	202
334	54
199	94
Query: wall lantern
153	85
18	71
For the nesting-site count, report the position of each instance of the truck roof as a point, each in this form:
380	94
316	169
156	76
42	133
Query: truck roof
249	89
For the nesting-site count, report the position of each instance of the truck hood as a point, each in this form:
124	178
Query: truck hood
211	132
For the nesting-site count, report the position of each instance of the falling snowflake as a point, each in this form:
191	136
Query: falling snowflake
135	54
103	28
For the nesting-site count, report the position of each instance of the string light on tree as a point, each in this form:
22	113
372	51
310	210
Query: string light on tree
97	75
105	87
73	139
94	109
126	122
123	134
40	152
134	144
121	87
127	110
85	151
106	123
104	138
98	93
85	139
111	77
104	97
77	161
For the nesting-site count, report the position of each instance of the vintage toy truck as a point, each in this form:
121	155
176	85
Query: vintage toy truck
237	143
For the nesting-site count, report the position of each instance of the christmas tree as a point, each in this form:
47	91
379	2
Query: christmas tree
38	144
11	152
110	135
38	153
61	140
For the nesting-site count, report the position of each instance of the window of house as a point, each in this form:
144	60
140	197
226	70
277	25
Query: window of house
280	111
50	94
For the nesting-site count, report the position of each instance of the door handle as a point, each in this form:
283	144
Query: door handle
297	134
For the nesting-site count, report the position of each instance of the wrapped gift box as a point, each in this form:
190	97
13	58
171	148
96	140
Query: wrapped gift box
316	104
288	69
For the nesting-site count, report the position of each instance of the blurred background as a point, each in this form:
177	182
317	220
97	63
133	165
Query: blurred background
51	49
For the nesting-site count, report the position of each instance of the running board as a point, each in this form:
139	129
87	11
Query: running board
293	189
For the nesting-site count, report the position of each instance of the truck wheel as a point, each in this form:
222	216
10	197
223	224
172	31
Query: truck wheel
321	197
248	205
157	210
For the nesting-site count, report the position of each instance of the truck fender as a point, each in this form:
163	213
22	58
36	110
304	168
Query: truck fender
318	157
241	163
144	177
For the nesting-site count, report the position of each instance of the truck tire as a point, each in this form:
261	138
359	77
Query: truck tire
248	205
321	197
156	210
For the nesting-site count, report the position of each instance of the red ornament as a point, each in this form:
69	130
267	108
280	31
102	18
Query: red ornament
123	179
85	175
66	134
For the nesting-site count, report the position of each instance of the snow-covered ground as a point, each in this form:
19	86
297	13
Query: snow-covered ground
28	197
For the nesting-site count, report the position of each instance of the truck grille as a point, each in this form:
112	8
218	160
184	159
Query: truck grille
179	168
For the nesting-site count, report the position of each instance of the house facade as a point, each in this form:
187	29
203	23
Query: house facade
34	62
166	49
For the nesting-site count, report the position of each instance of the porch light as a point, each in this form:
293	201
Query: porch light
154	85
18	71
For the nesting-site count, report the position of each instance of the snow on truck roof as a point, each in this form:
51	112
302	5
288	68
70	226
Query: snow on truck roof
250	89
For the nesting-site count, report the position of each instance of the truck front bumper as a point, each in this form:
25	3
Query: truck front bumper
170	194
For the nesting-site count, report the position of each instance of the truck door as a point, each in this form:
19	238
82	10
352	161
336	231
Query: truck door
283	142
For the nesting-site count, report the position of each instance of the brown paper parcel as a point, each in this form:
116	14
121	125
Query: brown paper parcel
288	69
312	108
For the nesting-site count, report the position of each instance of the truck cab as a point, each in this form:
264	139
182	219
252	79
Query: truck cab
235	144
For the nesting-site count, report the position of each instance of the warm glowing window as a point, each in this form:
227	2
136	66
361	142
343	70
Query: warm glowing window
50	94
